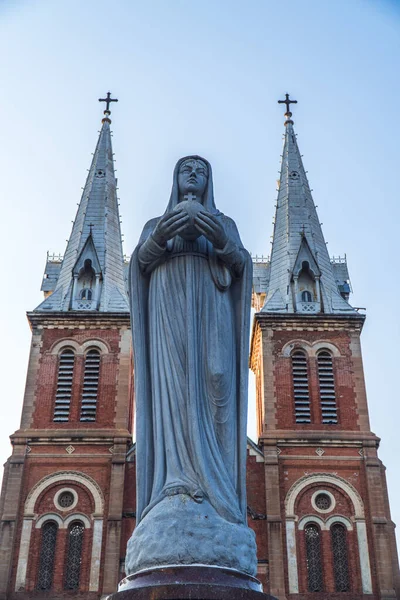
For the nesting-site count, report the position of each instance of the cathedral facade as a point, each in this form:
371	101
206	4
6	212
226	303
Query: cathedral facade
316	489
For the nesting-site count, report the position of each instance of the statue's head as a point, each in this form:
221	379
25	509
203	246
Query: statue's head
192	177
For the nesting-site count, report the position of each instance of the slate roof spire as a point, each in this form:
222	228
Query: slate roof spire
91	274
302	277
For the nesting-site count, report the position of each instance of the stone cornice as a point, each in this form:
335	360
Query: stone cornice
73	319
304	321
290	437
91	436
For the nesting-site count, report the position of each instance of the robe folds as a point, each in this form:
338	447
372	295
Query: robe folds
190	311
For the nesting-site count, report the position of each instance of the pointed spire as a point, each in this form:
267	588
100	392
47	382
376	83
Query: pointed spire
91	275
302	278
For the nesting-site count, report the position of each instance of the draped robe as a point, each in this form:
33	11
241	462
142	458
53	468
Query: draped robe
190	308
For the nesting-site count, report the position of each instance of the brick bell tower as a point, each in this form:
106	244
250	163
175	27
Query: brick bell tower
61	507
329	528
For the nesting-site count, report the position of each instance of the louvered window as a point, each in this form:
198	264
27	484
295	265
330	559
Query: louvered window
90	386
64	386
74	556
300	387
327	387
340	558
313	557
47	555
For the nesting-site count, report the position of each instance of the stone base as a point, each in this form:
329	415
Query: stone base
190	583
180	531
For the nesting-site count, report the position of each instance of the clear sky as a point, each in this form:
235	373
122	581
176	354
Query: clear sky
205	77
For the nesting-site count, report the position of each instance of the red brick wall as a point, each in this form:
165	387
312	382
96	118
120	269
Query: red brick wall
48	373
343	375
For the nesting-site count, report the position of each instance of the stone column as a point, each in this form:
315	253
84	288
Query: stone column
363	550
292	556
381	524
274	523
11	492
96	555
113	525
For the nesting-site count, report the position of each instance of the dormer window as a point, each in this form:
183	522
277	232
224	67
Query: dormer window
86	291
306	285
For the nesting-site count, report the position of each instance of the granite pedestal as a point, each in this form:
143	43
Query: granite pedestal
190	583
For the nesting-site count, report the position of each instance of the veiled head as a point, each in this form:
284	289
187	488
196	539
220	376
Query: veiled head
193	177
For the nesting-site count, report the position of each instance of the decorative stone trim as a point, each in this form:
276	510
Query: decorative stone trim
339	519
63	523
58	494
310	348
77	517
63	477
311	519
49	517
325	524
316	478
323	510
63	344
100	345
79	349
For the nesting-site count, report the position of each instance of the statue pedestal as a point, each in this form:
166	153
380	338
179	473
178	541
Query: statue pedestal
194	583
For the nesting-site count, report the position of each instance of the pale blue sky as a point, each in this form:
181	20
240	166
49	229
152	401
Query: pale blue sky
204	77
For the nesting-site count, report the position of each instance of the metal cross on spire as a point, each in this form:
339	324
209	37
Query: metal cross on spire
288	102
107	101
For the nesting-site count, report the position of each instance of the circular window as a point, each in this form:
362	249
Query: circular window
66	499
323	501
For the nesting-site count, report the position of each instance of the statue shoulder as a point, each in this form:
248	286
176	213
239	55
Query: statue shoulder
228	222
151	224
148	228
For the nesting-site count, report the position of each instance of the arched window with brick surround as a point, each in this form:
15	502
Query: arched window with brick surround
90	385
301	390
315	582
64	385
73	560
327	387
340	557
47	556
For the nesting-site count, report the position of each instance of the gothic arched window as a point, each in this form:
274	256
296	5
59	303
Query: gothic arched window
47	555
300	387
64	386
340	557
313	557
327	387
74	556
86	294
306	296
90	386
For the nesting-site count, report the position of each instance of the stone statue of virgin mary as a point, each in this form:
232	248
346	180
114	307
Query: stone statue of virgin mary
190	292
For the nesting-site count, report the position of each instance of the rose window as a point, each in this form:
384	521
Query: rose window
323	502
66	499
